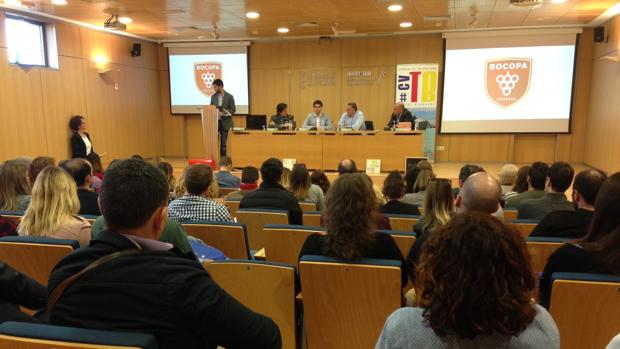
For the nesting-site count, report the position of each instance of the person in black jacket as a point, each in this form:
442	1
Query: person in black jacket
400	114
155	288
17	289
394	189
271	195
81	145
82	173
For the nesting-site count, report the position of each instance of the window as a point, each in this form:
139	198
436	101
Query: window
26	41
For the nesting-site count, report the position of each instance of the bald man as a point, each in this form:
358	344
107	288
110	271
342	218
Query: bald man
347	166
400	114
480	193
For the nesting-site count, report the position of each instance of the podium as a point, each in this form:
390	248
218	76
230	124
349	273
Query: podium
209	116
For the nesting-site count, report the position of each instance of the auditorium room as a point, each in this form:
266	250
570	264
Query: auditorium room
310	174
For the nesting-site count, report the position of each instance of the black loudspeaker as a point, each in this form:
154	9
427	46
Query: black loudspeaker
599	34
136	50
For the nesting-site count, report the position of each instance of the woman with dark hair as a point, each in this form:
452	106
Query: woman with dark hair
37	165
81	145
473	290
302	188
410	177
168	171
319	178
520	184
393	190
599	251
14	188
350	221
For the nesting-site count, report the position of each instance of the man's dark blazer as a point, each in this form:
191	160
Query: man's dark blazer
406	116
78	147
228	103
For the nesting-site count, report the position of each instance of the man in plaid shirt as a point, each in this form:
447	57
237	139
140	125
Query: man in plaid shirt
194	205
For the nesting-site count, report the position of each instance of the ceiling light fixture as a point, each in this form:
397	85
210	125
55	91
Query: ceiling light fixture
113	23
395	8
252	15
125	20
406	25
283	30
558	1
59	2
13	2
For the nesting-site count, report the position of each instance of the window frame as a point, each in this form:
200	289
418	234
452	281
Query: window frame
44	29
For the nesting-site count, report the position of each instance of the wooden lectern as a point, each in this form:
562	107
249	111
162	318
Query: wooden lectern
210	135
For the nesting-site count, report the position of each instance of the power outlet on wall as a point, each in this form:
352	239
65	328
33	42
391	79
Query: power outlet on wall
441	148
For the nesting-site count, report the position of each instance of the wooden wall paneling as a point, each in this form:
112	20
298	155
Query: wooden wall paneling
529	148
68	40
369	52
174	136
316	54
2	33
420	49
376	99
22	130
270	55
268	87
308	85
563	147
442	141
479	148
153	121
63	96
117	49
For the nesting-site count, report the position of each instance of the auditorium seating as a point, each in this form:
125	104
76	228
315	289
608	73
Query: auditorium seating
233	206
39	336
402	222
347	303
256	219
510	215
307	206
404	240
284	242
312	219
540	248
226	191
524	226
266	288
15	216
35	256
228	237
586	309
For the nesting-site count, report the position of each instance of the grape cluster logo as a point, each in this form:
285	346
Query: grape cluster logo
205	73
508	80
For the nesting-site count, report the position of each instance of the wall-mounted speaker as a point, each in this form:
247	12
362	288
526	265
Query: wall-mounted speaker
599	34
136	50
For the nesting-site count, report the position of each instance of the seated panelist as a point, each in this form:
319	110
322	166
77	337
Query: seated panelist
317	119
282	118
352	118
400	114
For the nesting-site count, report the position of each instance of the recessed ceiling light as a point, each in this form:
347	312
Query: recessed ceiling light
125	20
395	8
406	25
59	2
13	2
558	1
252	15
282	30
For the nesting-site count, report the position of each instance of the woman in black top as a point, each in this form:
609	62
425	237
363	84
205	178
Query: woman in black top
18	289
599	251
394	189
350	210
81	145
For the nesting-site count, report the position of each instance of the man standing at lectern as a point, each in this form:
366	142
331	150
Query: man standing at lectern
225	103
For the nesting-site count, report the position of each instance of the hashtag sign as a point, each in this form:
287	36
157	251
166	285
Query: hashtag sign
403	97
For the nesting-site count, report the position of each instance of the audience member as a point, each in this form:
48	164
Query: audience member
271	195
14	188
383	222
559	180
394	190
7	227
615	343
195	204
168	171
36	166
508	177
350	225
82	173
347	166
224	178
464	173
574	224
54	207
536	179
520	183
419	187
302	188
149	286
213	192
480	193
473	249
249	183
599	251
137	157
17	290
285	179
319	178
410	178
95	162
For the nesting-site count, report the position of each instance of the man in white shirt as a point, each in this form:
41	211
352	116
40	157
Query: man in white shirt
352	118
317	119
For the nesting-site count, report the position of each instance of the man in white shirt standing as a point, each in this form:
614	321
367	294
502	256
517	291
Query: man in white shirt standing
352	118
317	118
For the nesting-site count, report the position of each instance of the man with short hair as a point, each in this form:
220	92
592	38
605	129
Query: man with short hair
282	117
352	118
559	180
195	204
536	179
145	285
249	183
225	103
347	166
574	224
272	195
317	119
82	172
480	193
224	178
464	173
400	114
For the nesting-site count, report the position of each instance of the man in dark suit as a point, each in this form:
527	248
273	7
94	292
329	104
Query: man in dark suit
559	180
400	114
225	102
574	224
82	172
282	118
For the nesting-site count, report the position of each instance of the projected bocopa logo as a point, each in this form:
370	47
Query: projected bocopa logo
205	73
507	80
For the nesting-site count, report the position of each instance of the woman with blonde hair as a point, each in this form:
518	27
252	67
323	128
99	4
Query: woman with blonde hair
419	187
285	180
508	177
53	209
302	188
14	188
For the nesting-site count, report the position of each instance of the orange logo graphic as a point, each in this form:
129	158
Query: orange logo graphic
508	80
205	73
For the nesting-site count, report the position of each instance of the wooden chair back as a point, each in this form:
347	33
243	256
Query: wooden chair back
510	215
404	240
346	304
308	206
256	219
225	191
312	219
540	249
524	226
585	308
230	238
402	222
283	243
266	288
233	206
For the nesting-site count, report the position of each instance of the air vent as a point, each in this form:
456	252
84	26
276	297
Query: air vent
526	3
